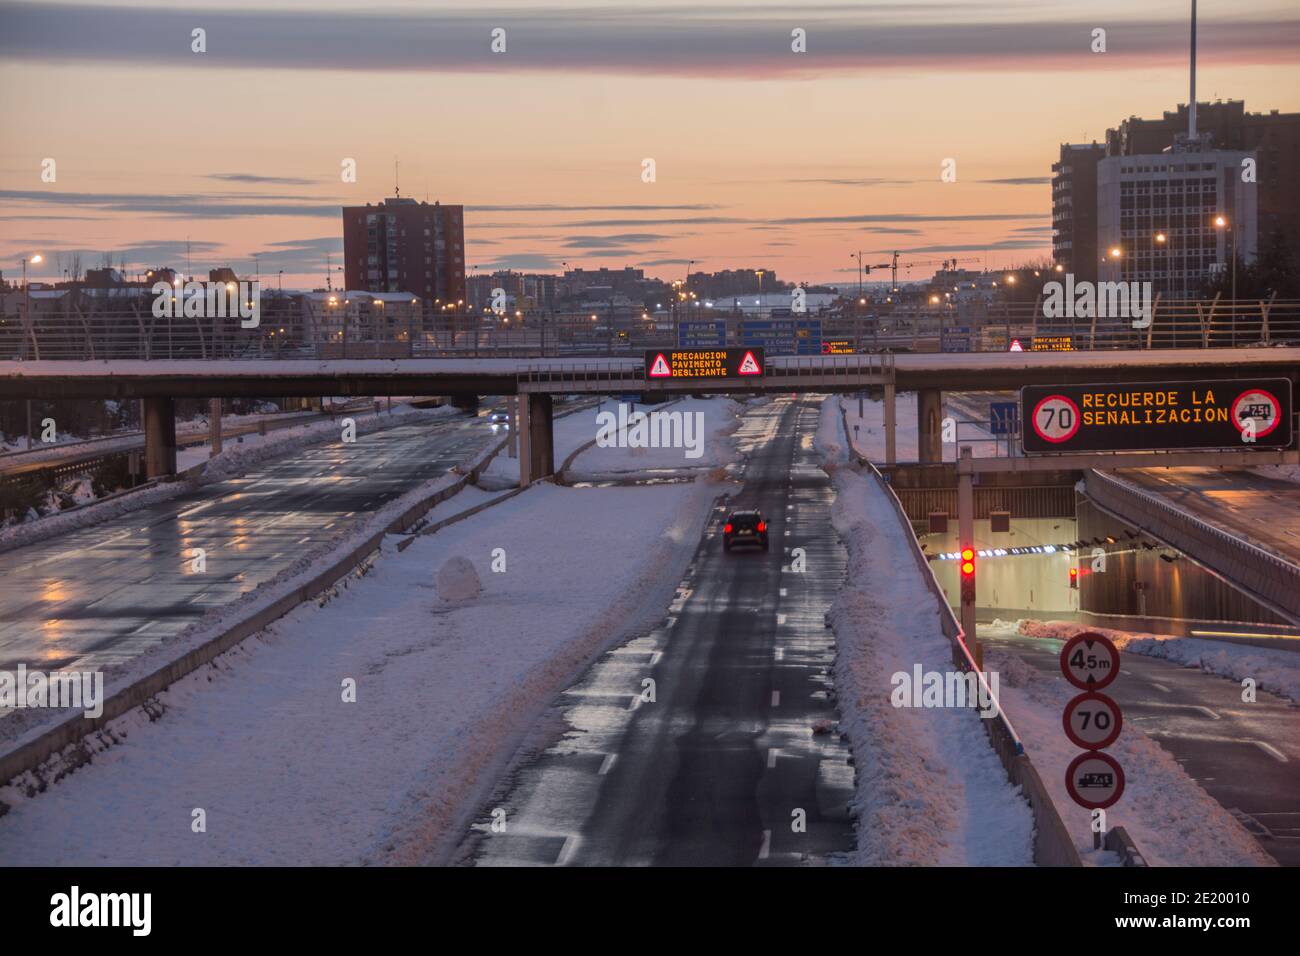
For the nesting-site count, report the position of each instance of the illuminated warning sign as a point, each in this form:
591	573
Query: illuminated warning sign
704	363
837	347
1016	346
1154	416
1052	343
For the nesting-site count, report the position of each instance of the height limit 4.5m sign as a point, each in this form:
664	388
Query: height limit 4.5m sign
1247	413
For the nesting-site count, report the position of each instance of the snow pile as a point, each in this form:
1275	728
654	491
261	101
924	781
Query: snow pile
708	423
458	581
291	772
1272	670
930	789
1171	818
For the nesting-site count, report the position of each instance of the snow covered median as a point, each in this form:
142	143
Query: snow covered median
287	770
930	789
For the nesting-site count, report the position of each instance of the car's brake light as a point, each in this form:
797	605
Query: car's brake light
727	528
762	526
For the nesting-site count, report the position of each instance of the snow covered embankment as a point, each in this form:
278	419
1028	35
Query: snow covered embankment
930	789
288	772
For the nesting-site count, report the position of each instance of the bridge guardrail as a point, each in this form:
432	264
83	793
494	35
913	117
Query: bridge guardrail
1053	845
1278	580
72	331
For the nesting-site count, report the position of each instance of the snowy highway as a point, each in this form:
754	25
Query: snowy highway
100	595
716	768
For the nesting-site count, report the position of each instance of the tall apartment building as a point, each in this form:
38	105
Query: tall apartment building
1074	209
1158	217
1274	137
400	245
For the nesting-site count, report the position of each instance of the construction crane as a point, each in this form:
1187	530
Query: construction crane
893	266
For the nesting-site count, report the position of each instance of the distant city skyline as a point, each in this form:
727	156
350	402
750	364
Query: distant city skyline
763	156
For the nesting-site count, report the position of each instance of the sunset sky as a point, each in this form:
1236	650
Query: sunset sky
765	157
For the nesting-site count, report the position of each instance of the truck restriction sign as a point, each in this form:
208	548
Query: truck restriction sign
1055	419
1095	780
1089	661
1092	721
1259	407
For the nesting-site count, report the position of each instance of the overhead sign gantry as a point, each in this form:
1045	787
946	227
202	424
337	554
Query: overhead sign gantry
1230	413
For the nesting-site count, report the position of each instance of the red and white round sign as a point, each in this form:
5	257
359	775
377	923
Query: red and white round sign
1095	780
1258	406
1056	419
1089	661
1092	721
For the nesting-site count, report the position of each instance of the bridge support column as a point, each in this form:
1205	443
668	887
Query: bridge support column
891	425
536	439
214	427
929	420
159	437
466	403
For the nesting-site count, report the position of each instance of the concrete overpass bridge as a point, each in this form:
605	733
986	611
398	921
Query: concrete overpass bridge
159	382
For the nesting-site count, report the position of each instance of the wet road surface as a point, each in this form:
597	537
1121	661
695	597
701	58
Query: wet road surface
722	767
1260	509
103	594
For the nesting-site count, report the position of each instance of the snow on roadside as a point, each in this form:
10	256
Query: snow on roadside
717	419
930	789
1273	670
1173	821
233	460
287	772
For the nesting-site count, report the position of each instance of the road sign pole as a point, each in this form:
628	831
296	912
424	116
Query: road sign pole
966	538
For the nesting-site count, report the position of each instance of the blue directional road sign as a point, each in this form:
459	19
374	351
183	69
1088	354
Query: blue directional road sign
1004	418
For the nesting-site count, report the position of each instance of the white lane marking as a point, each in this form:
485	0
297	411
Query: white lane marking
607	763
776	698
782	592
780	619
771	756
1261	744
767	845
1205	710
779	653
1161	687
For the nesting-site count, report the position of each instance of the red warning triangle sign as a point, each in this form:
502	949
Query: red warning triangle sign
749	365
659	368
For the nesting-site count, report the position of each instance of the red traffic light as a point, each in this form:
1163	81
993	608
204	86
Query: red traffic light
967	561
1074	577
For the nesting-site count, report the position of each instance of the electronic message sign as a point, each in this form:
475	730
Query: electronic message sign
704	363
1231	413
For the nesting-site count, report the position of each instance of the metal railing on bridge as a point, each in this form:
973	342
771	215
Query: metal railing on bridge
417	332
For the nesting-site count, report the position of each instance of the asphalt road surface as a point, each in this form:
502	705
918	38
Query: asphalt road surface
103	594
1246	756
1263	510
723	764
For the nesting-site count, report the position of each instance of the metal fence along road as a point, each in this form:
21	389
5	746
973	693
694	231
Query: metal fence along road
415	332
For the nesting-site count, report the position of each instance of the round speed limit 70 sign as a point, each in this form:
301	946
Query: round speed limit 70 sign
1092	721
1055	419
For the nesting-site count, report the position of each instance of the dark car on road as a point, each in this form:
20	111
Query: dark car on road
744	527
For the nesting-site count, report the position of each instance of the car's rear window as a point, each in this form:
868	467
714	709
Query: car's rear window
745	521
